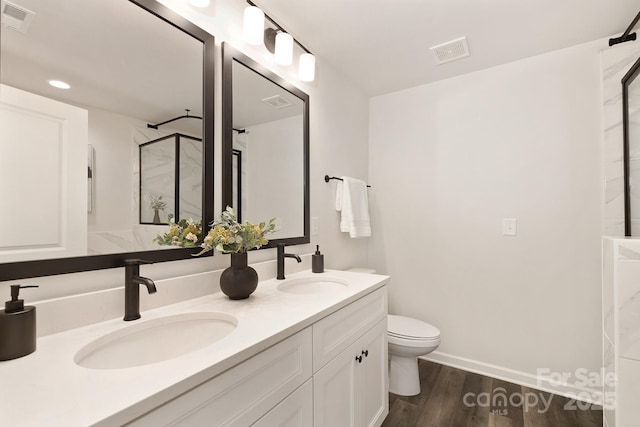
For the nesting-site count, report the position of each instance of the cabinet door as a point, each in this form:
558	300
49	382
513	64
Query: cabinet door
294	411
352	389
334	391
336	332
372	390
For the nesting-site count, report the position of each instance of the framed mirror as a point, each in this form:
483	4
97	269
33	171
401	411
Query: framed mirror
78	182
265	148
631	132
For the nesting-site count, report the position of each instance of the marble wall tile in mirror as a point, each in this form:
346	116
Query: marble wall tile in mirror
129	64
170	179
266	122
631	125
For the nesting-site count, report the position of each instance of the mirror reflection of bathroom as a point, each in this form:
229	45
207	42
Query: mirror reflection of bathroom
91	192
268	138
171	179
632	223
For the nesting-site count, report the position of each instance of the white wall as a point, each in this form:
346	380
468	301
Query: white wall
111	136
448	161
338	145
274	150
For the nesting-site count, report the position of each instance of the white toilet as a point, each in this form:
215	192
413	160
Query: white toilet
408	338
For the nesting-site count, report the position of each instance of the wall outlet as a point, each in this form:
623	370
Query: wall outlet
509	227
315	226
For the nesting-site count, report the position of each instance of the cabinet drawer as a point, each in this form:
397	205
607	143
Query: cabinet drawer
337	331
241	395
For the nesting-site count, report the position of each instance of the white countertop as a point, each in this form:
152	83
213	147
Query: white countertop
48	388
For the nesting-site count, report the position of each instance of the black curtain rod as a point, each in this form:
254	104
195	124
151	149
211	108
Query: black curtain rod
186	116
328	178
626	37
279	27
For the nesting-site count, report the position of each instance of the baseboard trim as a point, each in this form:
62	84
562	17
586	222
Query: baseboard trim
571	391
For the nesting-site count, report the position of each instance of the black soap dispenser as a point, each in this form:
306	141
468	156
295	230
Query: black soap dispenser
317	261
17	326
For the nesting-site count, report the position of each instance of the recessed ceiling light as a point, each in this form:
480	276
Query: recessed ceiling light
59	84
199	3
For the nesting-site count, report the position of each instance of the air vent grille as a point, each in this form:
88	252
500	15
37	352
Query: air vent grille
277	101
450	51
16	17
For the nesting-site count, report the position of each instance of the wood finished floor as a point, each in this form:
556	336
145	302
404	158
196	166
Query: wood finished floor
441	403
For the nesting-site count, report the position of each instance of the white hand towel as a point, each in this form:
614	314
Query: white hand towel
353	201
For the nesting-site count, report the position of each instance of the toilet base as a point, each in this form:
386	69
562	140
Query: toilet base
404	379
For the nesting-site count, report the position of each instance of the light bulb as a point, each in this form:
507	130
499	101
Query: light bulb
253	25
307	67
284	49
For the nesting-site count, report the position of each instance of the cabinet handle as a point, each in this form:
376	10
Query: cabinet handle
359	359
366	353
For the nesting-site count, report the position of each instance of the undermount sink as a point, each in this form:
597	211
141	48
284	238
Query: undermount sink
313	285
156	340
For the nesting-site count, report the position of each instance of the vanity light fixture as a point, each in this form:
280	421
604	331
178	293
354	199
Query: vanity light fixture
277	41
200	3
307	67
284	49
253	25
59	84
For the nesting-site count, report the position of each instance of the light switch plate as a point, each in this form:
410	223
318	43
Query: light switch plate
315	226
509	227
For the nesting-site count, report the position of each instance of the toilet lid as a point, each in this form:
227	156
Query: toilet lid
406	327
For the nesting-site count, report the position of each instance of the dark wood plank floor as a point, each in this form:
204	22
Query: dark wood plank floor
454	398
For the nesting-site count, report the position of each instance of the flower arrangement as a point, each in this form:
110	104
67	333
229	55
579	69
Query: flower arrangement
228	236
156	203
186	233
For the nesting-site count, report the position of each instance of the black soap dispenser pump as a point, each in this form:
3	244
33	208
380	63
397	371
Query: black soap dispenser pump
317	261
17	326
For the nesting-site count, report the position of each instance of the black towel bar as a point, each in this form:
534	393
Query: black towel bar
327	178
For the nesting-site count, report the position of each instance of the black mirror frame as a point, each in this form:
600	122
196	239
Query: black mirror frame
50	267
229	54
628	78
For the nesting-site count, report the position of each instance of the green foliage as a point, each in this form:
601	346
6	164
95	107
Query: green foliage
228	236
186	233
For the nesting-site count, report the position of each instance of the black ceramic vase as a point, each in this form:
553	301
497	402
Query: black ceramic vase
238	281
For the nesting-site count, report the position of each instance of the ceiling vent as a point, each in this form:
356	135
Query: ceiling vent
16	17
277	102
450	51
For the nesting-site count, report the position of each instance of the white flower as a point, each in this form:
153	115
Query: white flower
191	237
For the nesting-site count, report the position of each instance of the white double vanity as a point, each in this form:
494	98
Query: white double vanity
307	351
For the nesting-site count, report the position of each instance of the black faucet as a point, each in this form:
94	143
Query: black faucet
132	282
281	257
